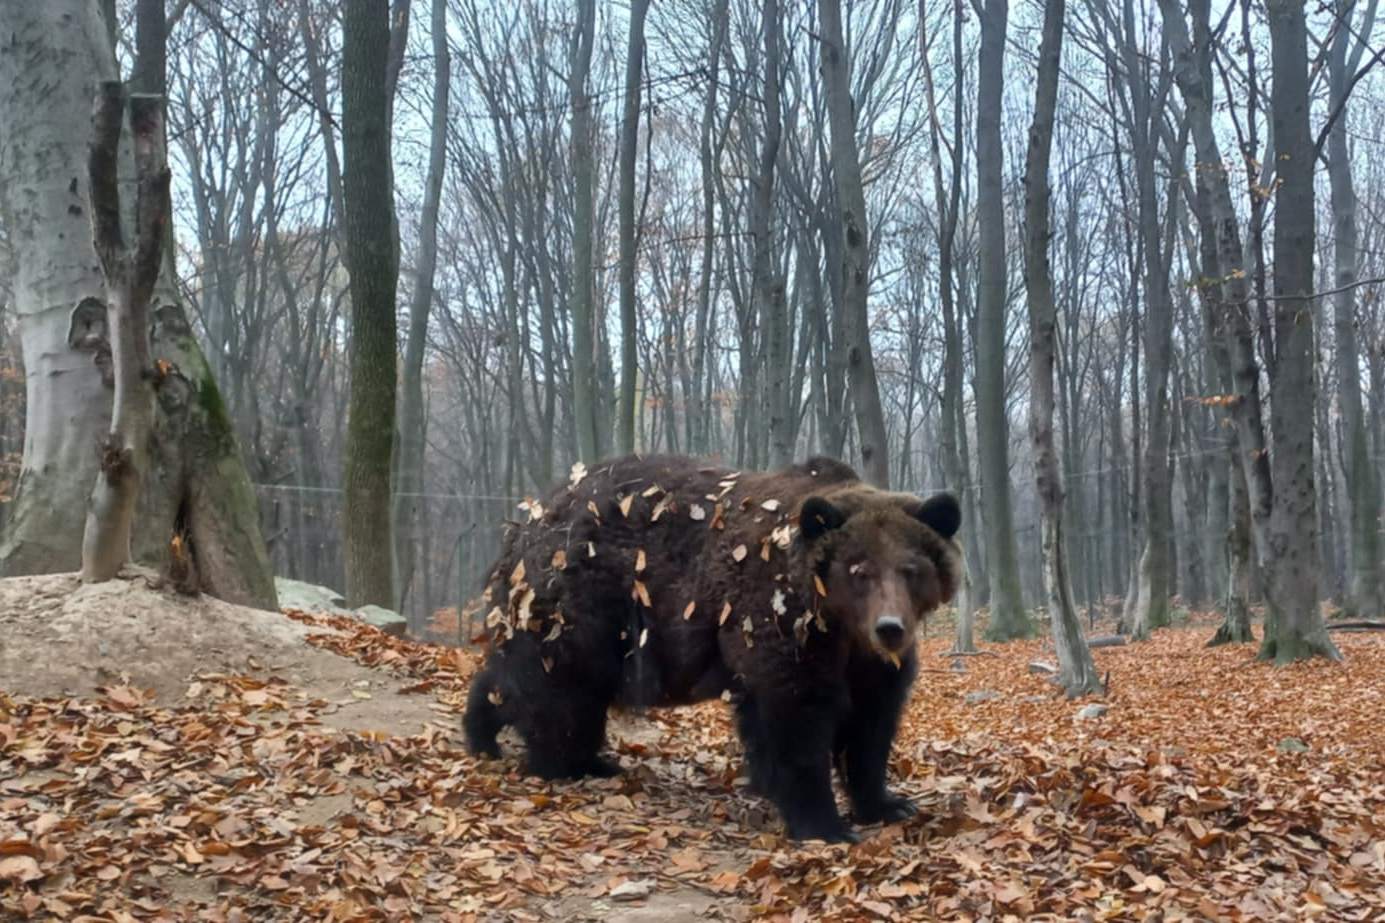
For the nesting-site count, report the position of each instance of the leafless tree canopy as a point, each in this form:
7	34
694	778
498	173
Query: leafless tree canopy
757	231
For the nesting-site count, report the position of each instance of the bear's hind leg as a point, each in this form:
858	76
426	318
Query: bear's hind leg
863	745
564	729
790	748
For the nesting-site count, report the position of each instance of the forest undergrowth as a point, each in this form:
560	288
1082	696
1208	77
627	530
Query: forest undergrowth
1212	787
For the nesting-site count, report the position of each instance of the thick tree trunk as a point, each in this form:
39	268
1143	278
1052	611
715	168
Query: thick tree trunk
1077	672
52	56
851	201
372	260
1365	592
584	340
409	484
1293	625
1008	618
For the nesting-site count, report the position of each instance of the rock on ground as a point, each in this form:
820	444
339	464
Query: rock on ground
309	597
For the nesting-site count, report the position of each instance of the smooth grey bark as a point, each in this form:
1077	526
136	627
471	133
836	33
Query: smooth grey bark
947	197
1153	581
1365	596
409	483
372	260
699	408
629	142
1008	619
584	383
1077	672
1293	625
856	253
767	286
52	56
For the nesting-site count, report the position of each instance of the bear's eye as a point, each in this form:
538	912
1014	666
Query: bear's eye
860	570
909	571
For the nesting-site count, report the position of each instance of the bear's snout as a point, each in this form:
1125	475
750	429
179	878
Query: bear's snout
889	629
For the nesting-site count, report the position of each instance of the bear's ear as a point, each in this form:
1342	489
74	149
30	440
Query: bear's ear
818	517
941	513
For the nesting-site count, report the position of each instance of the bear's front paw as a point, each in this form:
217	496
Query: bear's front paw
888	809
835	831
601	768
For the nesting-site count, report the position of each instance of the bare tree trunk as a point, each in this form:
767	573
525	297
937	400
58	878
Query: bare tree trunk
629	139
130	274
584	384
1365	593
409	483
699	410
372	260
767	285
1077	672
1008	618
1293	625
948	201
851	200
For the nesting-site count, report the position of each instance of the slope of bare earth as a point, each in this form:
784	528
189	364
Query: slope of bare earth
1210	788
60	637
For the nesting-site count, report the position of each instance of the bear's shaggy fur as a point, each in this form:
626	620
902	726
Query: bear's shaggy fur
656	581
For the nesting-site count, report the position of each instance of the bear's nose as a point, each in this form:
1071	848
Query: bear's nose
890	630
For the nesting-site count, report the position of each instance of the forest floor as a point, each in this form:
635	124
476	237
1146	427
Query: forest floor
309	768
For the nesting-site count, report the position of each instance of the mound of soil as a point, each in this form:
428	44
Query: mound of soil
60	637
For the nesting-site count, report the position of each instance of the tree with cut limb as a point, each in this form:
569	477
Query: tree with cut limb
372	260
130	272
1077	671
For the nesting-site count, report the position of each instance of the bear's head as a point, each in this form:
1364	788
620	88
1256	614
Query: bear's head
884	559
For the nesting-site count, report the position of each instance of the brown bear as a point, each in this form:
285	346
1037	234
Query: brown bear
659	581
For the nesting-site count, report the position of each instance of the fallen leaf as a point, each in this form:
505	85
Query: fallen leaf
738	553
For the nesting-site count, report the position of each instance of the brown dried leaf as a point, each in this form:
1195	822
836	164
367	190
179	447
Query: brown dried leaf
688	610
738	553
639	561
725	613
641	592
625	503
